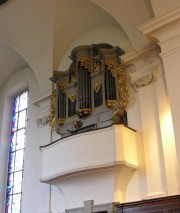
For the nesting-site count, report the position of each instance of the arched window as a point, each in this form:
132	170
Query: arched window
16	154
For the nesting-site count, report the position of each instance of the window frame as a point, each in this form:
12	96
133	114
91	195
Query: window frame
9	163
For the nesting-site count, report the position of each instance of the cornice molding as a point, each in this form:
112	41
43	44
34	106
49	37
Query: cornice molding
166	54
159	22
37	99
89	168
138	52
42	100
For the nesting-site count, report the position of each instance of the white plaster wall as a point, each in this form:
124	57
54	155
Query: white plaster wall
110	34
163	6
97	186
35	194
30	35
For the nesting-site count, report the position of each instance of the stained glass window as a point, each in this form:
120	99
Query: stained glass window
16	154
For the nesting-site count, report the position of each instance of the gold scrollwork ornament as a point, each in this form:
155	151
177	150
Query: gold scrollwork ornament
97	87
52	118
122	85
111	103
72	97
61	121
85	62
63	87
110	65
73	78
97	66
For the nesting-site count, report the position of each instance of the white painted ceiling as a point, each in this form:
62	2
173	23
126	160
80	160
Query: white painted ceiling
37	33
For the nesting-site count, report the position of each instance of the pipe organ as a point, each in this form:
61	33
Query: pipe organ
92	93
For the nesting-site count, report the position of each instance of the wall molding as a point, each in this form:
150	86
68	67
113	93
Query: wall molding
159	22
37	99
42	101
138	52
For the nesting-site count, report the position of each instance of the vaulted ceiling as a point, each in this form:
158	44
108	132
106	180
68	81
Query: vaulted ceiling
38	33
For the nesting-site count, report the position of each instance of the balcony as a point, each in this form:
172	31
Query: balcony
94	164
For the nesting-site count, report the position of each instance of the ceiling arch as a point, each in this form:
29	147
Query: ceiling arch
43	31
11	61
76	18
107	33
129	14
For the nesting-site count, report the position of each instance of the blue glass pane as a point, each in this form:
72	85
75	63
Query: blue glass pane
17	182
9	184
16	105
19	160
20	139
22	119
14	122
11	162
13	142
16	203
16	154
23	101
8	204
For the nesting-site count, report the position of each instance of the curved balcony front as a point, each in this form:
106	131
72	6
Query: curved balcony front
98	158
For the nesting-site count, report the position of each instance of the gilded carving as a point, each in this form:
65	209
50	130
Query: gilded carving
52	118
73	78
97	66
63	87
84	112
72	97
85	62
110	65
78	124
61	121
97	87
144	78
111	103
123	90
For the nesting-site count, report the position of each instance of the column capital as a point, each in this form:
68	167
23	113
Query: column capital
142	64
144	76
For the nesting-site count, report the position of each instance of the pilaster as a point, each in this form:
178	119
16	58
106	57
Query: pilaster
164	31
144	66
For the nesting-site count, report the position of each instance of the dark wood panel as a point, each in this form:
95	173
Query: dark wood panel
169	204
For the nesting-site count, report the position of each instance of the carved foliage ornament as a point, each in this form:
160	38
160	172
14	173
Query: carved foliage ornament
85	62
144	78
52	110
73	78
97	87
110	65
72	97
123	89
97	66
111	103
63	87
